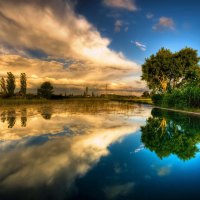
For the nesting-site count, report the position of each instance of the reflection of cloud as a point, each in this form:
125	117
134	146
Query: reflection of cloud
123	4
78	117
162	171
67	156
61	34
76	155
114	191
140	148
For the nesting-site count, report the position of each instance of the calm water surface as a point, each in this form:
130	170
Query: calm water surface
98	150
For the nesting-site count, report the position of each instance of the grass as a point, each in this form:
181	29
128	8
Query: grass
22	101
135	100
4	102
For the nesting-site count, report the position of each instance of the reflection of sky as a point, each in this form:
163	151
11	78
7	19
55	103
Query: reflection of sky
68	144
89	155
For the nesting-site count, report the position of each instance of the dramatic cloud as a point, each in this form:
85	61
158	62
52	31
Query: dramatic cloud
54	29
140	45
164	23
122	4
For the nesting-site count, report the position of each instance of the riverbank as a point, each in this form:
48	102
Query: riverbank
4	102
191	111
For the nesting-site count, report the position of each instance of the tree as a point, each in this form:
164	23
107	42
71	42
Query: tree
23	84
156	70
167	70
145	94
45	90
3	85
10	84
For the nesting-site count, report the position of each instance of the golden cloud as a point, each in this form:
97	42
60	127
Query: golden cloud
55	29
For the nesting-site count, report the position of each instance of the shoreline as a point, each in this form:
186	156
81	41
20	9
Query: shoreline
145	101
177	110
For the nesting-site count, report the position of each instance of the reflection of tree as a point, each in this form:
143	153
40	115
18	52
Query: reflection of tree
23	117
11	118
3	116
46	112
170	133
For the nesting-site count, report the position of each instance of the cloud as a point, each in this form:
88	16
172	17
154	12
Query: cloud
118	25
122	4
140	45
60	34
149	15
164	23
126	29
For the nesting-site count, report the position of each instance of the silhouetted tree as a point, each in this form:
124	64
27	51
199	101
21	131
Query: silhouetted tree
10	84
23	84
45	90
3	85
146	94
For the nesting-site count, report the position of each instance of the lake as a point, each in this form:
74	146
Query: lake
98	150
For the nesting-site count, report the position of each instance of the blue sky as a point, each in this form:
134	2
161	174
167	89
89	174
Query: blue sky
185	15
95	43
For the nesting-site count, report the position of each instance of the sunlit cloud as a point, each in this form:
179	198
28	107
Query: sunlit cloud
60	34
122	4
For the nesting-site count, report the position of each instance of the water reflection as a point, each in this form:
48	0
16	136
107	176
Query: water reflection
51	146
23	117
167	133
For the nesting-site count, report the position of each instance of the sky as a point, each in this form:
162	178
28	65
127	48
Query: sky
95	43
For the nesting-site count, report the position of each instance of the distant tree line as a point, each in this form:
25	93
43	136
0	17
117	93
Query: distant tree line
8	86
173	78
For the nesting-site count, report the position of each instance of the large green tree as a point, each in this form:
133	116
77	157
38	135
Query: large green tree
45	90
10	86
166	70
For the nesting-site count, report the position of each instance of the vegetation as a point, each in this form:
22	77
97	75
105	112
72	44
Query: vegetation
23	84
167	133
45	90
173	78
10	87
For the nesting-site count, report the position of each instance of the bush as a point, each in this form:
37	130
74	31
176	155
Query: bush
157	99
185	97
